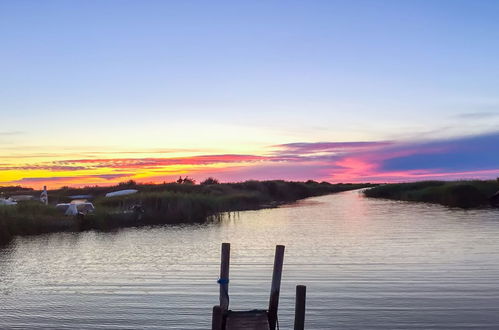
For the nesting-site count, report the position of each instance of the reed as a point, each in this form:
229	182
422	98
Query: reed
463	194
31	218
159	204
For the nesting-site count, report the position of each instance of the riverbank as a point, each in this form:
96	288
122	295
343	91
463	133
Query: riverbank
363	248
463	194
159	204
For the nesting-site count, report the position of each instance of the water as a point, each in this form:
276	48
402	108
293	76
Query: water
367	264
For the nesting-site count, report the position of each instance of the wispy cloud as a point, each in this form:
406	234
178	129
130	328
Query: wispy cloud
376	161
10	133
150	163
41	167
7	137
305	148
479	115
81	178
461	157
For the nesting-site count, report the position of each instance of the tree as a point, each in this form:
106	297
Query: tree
186	180
210	180
129	183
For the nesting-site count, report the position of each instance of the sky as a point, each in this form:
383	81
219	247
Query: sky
99	92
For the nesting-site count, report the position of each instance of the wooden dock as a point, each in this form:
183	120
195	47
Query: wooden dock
251	320
225	319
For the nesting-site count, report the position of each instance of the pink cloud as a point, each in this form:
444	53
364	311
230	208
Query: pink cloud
458	158
149	163
305	148
77	180
48	167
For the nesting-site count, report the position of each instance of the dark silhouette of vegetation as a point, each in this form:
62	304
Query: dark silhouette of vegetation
464	194
14	190
127	184
186	180
156	204
210	180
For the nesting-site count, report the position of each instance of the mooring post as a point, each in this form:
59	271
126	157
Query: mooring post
301	292
276	286
217	318
224	277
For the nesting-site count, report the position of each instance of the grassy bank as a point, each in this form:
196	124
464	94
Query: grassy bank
159	204
30	218
464	194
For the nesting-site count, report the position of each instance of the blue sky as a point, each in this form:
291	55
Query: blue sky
237	77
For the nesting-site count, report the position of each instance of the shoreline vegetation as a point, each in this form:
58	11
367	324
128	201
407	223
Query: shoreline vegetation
462	194
153	204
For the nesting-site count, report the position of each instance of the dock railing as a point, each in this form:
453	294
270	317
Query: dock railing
225	319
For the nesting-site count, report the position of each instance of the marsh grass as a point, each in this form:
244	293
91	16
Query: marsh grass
31	218
463	194
161	204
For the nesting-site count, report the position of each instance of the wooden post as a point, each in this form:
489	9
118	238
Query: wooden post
216	318
301	292
224	277
276	286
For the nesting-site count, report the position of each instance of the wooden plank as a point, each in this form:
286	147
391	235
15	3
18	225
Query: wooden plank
217	318
301	292
276	286
252	320
224	277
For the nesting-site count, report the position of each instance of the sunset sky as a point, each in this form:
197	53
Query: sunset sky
99	92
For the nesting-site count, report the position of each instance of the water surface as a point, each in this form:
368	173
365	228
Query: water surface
367	264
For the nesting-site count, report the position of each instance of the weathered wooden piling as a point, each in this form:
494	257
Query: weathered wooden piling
217	318
257	319
224	277
276	286
301	292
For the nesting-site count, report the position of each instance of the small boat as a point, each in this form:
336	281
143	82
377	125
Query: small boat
21	198
7	201
81	197
121	192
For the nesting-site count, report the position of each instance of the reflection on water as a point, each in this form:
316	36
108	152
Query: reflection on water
368	264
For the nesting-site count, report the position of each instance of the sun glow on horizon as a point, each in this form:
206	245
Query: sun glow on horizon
357	161
329	90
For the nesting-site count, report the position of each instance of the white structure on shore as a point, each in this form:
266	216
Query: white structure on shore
44	197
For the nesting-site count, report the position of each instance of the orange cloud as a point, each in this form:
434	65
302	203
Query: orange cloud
465	157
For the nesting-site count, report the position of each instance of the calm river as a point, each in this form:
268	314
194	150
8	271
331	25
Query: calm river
367	264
